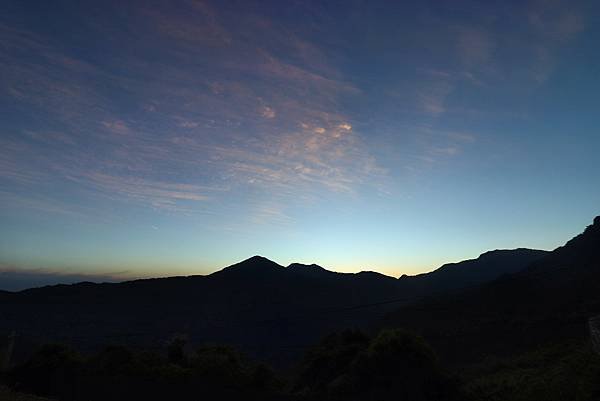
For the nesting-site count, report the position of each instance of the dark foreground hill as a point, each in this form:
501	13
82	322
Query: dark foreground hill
550	301
521	336
258	306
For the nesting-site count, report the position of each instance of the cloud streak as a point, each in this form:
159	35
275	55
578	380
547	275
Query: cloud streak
204	128
209	107
17	279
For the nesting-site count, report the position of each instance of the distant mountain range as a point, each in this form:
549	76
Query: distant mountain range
549	301
274	312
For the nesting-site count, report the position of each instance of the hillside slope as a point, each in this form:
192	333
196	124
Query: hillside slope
549	301
257	305
487	267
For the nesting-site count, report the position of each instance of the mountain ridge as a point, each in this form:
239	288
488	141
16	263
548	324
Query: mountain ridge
256	305
488	266
259	264
550	300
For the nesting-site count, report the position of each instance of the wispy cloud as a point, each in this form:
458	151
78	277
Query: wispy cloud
553	24
160	195
117	127
190	138
209	106
267	112
432	97
556	20
43	205
474	46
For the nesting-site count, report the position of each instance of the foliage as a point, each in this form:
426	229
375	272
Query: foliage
50	371
552	373
324	362
118	373
395	365
7	394
349	365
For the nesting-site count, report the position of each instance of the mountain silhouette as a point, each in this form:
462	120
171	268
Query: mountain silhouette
549	301
256	266
256	305
579	255
310	270
488	266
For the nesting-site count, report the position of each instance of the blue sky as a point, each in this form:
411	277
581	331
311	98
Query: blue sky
144	138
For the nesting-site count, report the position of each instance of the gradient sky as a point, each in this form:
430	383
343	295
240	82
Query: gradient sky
143	138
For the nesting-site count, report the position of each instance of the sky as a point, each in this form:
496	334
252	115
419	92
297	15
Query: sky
154	138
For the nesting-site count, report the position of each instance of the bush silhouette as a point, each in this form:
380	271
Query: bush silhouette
53	370
175	351
118	373
328	360
395	365
399	365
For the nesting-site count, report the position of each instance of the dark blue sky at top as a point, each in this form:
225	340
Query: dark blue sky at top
154	138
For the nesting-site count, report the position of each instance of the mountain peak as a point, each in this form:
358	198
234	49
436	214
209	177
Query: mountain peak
256	265
305	266
257	259
312	269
